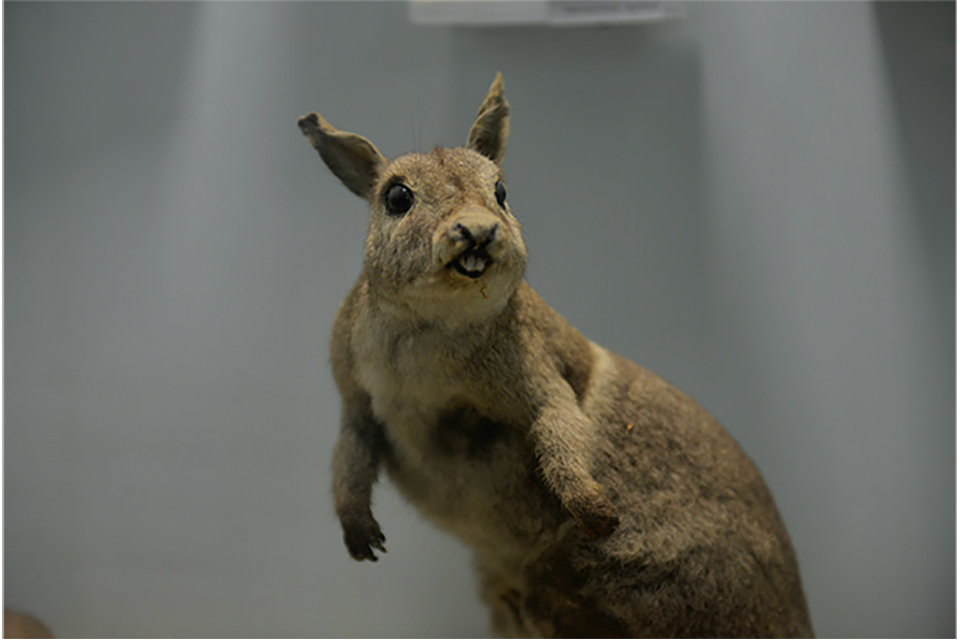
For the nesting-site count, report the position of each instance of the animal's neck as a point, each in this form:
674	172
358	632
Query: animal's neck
402	323
446	314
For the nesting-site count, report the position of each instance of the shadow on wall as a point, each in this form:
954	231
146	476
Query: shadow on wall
84	66
918	44
73	104
923	37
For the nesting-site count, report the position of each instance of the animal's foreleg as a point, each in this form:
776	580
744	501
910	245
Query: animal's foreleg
564	444
356	465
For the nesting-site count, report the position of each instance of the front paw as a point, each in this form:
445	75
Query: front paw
362	537
595	516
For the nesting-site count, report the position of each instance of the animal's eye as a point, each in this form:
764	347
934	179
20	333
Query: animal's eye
399	199
501	192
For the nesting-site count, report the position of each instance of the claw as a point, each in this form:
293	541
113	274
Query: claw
360	538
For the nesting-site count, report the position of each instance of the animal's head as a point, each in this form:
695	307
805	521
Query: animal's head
442	243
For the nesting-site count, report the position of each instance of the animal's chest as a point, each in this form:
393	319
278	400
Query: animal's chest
434	411
451	455
411	385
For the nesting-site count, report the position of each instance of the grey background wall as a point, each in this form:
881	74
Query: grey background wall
757	202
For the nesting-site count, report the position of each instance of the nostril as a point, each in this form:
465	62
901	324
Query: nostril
476	234
461	232
490	234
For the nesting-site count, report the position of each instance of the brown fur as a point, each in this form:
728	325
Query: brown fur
598	499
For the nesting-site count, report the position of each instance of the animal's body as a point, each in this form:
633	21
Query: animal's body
599	499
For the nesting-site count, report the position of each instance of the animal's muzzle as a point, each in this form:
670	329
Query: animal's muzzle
477	234
477	241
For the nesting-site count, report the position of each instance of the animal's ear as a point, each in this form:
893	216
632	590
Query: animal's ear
488	135
352	158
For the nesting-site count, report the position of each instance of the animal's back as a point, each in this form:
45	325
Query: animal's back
700	550
699	529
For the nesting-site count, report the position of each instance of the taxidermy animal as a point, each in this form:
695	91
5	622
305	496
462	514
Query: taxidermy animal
598	499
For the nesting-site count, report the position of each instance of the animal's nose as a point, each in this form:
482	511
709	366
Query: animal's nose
479	233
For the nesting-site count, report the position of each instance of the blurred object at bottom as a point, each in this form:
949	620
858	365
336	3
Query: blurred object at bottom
17	625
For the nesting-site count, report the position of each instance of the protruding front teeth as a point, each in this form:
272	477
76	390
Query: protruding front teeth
472	263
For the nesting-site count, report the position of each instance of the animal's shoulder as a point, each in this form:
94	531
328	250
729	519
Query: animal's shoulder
341	335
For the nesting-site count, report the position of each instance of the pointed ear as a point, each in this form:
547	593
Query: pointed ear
488	135
352	158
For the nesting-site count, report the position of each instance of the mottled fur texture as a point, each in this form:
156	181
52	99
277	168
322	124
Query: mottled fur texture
599	500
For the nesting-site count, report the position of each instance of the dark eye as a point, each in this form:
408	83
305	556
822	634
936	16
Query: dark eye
399	199
501	192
